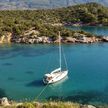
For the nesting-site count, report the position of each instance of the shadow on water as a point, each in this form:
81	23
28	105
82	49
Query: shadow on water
36	83
7	64
11	79
2	93
29	72
83	97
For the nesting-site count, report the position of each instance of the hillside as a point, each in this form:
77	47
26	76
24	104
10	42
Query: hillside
84	13
19	21
37	4
38	23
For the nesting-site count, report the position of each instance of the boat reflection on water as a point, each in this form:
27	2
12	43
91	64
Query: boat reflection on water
59	83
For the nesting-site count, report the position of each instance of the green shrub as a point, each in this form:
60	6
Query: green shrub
26	105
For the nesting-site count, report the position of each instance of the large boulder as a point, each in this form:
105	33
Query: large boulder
85	39
4	101
91	106
105	38
87	106
45	39
70	39
6	38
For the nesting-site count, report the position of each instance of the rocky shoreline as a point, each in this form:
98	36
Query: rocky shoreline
32	37
5	103
77	38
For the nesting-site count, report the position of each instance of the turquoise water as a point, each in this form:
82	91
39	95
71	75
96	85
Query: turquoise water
23	66
97	30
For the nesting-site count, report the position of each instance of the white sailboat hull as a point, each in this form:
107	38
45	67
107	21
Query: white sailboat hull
56	76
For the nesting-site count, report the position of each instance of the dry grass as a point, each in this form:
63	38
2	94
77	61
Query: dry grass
61	105
50	105
46	105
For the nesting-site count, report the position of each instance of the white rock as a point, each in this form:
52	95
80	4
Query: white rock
4	101
91	106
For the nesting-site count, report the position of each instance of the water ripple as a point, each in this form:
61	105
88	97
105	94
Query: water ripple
11	78
26	51
7	64
29	72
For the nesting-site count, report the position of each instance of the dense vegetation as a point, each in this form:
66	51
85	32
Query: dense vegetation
31	4
17	21
85	13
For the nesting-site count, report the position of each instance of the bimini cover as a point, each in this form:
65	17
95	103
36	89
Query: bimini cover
48	75
56	70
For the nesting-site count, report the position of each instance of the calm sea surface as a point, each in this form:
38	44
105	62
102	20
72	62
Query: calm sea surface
23	66
92	29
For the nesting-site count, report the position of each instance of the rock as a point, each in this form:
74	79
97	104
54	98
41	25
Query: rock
31	32
77	38
6	38
18	104
37	104
91	106
87	106
31	41
9	36
39	40
70	39
105	38
4	101
43	39
85	39
79	35
2	39
46	39
82	39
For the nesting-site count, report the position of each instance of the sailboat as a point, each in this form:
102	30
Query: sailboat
57	74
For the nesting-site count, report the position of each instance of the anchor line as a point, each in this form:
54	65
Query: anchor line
41	92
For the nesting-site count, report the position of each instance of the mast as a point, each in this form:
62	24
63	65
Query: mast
67	2
60	50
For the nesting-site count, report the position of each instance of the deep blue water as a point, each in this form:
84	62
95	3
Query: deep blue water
23	66
97	30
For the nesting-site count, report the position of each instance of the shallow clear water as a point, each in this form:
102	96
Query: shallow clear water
23	66
97	30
